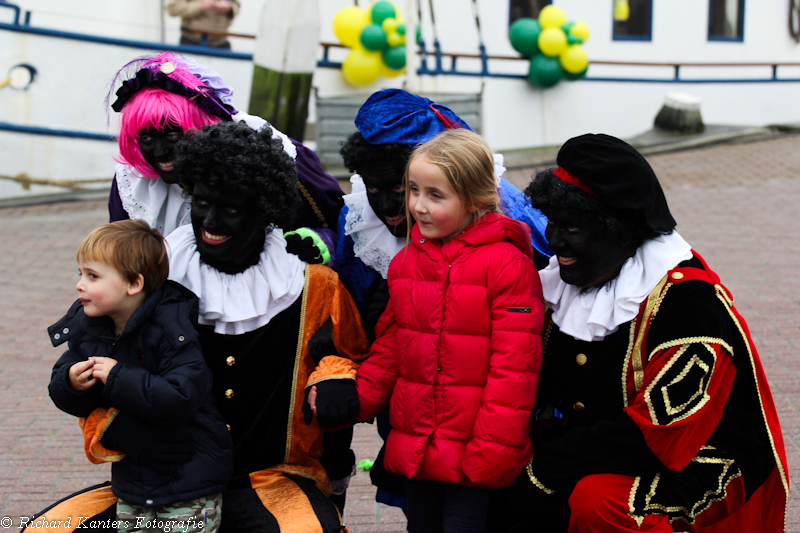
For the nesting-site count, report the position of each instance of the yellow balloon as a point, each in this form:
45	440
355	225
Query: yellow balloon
389	25
387	72
362	67
579	30
348	23
552	41
552	17
574	59
395	39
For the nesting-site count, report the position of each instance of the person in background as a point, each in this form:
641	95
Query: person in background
199	16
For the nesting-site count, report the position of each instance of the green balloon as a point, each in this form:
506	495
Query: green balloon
524	34
544	71
395	57
382	10
566	27
401	28
573	40
575	77
373	37
419	32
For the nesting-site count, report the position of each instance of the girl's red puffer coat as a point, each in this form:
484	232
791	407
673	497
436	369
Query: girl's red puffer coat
458	353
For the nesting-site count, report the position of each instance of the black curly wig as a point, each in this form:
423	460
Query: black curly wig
238	158
359	155
547	191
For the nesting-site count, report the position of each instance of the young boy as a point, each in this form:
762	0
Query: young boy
133	349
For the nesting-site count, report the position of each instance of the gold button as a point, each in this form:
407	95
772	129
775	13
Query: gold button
677	275
581	359
229	393
230	360
578	406
228	426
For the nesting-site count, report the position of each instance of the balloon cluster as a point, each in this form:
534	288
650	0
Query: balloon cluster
553	45
377	37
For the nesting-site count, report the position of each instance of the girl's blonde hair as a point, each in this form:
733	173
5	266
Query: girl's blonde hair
467	162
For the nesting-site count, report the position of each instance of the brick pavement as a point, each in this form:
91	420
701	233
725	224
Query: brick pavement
735	203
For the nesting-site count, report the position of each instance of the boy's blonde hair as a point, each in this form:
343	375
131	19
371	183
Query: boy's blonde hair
132	248
467	162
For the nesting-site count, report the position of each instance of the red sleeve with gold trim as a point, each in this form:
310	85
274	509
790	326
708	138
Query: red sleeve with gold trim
686	386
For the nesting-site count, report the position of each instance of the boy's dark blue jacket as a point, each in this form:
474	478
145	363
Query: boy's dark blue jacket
161	386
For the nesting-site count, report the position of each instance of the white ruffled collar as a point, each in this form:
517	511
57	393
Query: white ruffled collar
237	303
164	207
373	243
593	314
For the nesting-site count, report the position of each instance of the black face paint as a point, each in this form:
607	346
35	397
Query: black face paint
225	228
587	257
386	194
158	149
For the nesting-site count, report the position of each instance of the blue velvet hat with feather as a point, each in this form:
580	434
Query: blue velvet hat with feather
396	116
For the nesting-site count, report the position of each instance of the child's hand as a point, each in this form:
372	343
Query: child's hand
102	366
80	376
310	405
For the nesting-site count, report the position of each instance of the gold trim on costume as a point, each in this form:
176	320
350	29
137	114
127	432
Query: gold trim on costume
647	316
670	410
312	203
297	358
631	502
687	515
334	376
535	480
108	458
626	362
691	340
725	299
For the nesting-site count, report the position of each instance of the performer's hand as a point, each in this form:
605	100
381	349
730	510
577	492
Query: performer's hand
335	403
308	246
80	376
378	300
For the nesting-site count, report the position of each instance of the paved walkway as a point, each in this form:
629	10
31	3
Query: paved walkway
735	203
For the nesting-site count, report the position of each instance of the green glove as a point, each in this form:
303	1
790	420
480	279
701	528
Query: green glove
307	245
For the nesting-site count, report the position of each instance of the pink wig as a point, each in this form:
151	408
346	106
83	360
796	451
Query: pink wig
155	108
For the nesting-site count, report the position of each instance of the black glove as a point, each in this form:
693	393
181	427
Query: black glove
305	248
378	300
337	403
153	443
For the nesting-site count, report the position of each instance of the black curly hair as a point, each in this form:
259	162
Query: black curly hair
358	154
547	191
238	158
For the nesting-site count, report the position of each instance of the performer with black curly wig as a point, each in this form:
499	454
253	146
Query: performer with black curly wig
266	321
168	95
654	413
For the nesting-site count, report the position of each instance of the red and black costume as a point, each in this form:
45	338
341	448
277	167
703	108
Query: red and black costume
653	413
668	419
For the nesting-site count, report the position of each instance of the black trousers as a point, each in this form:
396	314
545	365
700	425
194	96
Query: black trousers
436	507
